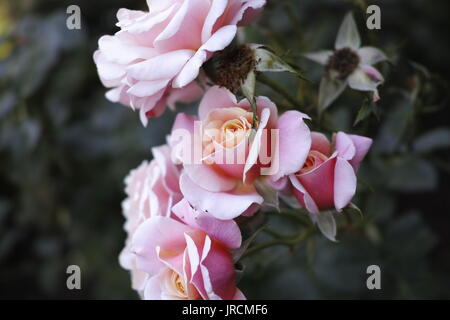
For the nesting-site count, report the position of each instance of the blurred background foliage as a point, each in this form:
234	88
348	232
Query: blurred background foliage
64	151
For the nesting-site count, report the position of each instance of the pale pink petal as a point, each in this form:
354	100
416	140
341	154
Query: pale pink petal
294	143
362	145
144	89
153	290
249	12
187	94
216	10
175	23
158	232
302	195
217	269
216	98
222	205
136	22
344	184
344	146
152	69
255	148
217	42
209	178
320	142
110	73
117	51
185	122
227	232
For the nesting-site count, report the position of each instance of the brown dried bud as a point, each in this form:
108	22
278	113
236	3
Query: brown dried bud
234	65
344	62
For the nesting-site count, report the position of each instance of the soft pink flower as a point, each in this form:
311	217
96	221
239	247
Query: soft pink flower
152	189
349	64
155	57
188	256
234	154
328	178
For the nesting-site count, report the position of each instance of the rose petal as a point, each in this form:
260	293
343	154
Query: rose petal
294	134
344	184
222	205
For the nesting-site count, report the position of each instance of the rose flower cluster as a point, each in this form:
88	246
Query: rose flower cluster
217	165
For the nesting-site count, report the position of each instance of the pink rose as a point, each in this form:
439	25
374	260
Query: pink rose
155	57
187	257
328	178
152	190
233	154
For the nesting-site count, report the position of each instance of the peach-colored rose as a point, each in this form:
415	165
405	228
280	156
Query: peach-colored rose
235	151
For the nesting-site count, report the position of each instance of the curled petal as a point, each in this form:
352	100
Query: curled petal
344	146
294	134
218	41
225	231
362	146
344	184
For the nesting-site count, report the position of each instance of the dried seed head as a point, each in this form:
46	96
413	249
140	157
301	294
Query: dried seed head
344	62
234	65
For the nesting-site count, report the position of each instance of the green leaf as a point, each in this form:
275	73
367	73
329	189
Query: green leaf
433	140
248	87
410	174
268	61
352	209
368	108
327	224
237	253
269	194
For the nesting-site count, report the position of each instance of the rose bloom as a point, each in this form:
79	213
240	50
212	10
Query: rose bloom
226	188
328	177
152	189
155	57
187	257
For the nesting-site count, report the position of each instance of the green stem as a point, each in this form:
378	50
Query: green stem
279	89
294	215
290	242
